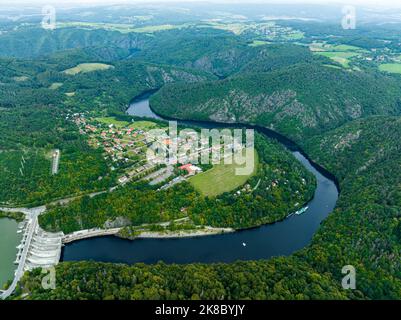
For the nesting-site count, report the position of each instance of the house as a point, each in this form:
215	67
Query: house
123	179
190	168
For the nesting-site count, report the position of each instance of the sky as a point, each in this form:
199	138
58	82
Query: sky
373	3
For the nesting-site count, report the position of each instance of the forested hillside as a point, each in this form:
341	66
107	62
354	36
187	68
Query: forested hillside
34	42
365	228
36	98
299	100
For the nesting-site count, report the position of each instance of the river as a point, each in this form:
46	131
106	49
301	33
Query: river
281	238
9	240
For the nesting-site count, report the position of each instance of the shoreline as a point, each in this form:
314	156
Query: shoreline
206	231
287	142
146	234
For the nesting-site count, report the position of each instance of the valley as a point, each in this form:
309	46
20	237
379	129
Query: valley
82	106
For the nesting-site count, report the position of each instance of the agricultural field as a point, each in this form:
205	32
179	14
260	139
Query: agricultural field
143	125
342	58
221	178
87	67
20	79
258	43
391	67
342	54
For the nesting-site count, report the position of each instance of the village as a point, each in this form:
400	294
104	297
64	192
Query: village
126	147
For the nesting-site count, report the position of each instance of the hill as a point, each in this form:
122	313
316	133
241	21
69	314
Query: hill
296	100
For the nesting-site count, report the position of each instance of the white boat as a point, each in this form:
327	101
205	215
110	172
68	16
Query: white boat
301	211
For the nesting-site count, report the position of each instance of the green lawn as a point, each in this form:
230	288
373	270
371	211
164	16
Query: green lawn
221	178
144	125
391	67
114	121
87	67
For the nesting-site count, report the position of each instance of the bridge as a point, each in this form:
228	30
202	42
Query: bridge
37	249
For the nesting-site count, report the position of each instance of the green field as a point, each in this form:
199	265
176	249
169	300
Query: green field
55	85
294	35
144	125
221	178
21	79
320	46
347	48
391	67
257	43
113	121
341	57
87	67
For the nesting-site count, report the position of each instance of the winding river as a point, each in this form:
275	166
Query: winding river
280	238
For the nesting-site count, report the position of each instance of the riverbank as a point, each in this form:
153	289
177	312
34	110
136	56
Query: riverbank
144	234
17	216
167	234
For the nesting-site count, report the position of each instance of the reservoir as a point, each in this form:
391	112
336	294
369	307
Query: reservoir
279	239
9	240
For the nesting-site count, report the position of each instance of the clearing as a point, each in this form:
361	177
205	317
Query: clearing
87	67
390	67
341	57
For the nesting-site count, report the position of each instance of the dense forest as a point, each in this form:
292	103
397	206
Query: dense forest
298	101
240	280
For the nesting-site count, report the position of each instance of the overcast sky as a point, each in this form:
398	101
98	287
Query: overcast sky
376	3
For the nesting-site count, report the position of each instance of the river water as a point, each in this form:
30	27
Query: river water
281	238
9	240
